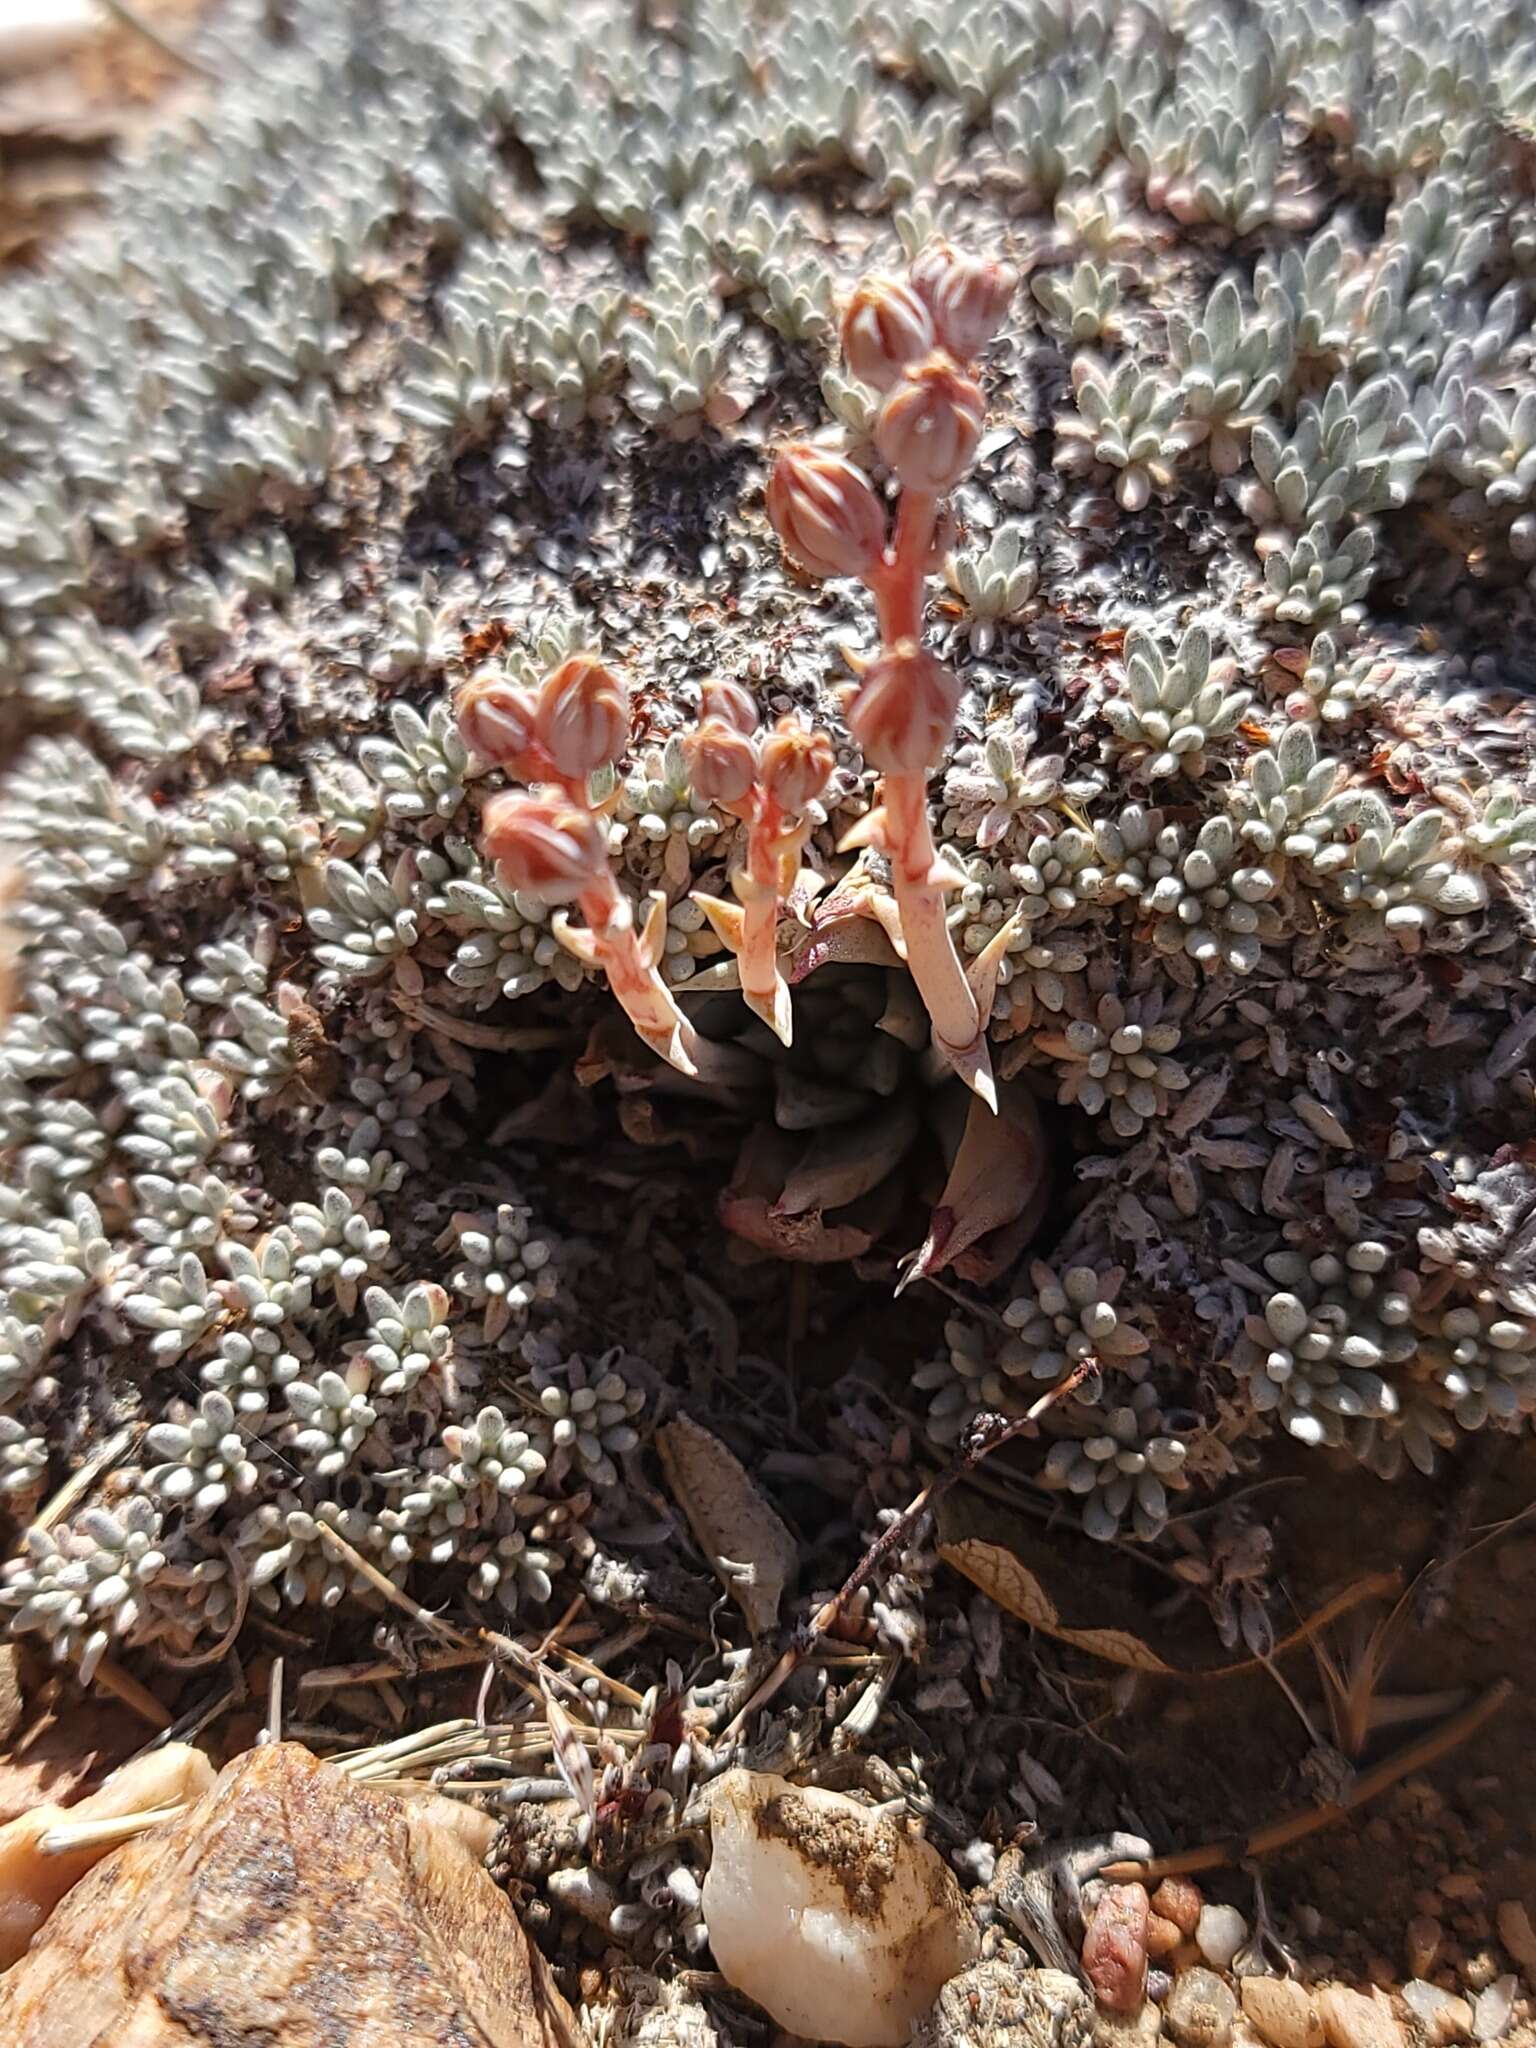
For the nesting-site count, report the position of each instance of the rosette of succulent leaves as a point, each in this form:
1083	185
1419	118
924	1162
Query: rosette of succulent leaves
443	343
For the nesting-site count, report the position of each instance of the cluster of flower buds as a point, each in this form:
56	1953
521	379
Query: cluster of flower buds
550	841
914	340
575	723
769	783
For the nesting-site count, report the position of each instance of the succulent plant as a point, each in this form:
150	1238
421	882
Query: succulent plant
1317	1352
1079	307
1119	1061
1127	420
504	1269
87	1584
1396	880
1125	1460
1070	1316
204	1460
1172	708
1484	1361
1233	365
590	1413
995	582
327	428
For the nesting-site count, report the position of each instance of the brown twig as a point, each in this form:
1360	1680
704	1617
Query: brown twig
79	1483
1295	1827
986	1434
124	1686
329	1677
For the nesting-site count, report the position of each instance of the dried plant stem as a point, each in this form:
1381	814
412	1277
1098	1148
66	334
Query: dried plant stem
444	1631
1308	1820
987	1433
381	1671
124	1686
79	1483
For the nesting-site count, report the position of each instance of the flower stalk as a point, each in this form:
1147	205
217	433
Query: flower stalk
770	787
550	842
914	340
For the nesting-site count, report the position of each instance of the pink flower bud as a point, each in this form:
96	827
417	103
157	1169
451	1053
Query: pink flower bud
731	701
966	296
496	721
722	762
825	511
930	424
886	326
545	846
904	710
797	759
583	716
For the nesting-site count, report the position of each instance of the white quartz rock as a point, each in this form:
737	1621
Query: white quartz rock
838	1922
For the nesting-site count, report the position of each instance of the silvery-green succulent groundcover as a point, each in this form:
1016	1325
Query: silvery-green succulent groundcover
447	342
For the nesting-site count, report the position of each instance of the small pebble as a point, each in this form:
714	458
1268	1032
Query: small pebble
1283	2011
1200	2010
1461	1884
1115	1948
1351	2020
1163	1937
1515	1931
1445	2016
1142	2029
1421	1939
1480	1970
1178	1899
1220	1933
1492	2010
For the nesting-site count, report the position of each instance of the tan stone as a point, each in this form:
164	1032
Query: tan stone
1140	2029
288	1905
1444	2016
1351	2020
1179	1899
1200	2010
33	1880
1284	2011
1163	1937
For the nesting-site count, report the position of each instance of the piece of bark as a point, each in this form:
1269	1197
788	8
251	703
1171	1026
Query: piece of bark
288	1906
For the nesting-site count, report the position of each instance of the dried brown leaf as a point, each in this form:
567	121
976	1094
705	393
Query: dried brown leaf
751	1552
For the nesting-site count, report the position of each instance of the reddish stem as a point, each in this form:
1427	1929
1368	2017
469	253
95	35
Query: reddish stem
635	983
931	955
898	582
758	960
